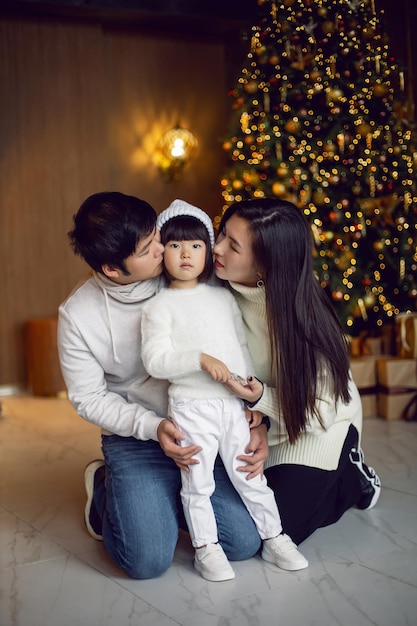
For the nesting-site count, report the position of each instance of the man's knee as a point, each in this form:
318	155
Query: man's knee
153	570
142	569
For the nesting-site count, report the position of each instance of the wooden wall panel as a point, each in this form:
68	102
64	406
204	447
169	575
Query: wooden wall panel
52	154
81	110
152	85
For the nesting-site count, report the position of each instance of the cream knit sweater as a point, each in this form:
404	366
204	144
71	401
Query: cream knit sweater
318	447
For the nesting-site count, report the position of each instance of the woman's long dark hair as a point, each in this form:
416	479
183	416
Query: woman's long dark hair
305	333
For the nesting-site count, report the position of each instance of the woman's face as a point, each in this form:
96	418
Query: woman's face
233	256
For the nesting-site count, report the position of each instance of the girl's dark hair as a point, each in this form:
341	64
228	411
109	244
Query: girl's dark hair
188	228
305	334
108	227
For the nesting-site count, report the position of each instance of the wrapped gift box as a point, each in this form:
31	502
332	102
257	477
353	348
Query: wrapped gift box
397	386
406	327
364	375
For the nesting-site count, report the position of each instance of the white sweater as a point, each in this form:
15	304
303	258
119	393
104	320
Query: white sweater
180	324
99	347
317	447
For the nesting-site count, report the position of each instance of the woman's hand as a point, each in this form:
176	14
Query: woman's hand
168	437
251	391
256	453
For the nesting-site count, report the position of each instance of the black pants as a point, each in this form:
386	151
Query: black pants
309	498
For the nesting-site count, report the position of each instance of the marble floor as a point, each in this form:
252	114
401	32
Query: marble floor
363	570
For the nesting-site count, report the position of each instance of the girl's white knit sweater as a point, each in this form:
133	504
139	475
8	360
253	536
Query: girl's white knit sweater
178	325
318	447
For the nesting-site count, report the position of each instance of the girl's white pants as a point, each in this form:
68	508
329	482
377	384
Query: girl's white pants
219	425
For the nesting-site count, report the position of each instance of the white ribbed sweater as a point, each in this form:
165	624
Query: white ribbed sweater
317	447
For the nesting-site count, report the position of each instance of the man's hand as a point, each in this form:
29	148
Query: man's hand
256	453
253	417
168	437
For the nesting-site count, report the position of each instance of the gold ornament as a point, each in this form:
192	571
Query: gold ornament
251	178
278	189
367	205
335	94
369	300
328	27
282	170
363	129
344	261
319	196
379	90
292	126
251	86
315	74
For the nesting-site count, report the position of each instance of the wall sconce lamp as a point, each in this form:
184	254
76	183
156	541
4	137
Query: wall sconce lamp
176	147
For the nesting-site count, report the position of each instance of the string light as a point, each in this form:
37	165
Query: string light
321	104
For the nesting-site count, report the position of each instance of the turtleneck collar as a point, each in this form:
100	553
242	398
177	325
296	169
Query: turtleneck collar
128	294
252	294
131	293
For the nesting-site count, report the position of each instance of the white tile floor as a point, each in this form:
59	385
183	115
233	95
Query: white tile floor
363	570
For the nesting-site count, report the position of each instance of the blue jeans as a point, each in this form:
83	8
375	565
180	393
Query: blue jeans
137	499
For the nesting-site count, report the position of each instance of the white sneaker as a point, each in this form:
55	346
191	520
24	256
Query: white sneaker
211	562
283	552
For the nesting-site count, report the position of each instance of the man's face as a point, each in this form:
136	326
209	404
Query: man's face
145	262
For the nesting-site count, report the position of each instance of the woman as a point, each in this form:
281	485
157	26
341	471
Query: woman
315	464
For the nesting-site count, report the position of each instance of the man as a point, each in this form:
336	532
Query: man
133	500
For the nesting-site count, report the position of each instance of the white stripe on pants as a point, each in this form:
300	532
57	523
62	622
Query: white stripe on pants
219	425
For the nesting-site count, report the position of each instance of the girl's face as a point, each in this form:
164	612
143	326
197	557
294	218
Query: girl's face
184	261
233	254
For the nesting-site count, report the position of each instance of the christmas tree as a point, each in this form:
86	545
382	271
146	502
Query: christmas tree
319	118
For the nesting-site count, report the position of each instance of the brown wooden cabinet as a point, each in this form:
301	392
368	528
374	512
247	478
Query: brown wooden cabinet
42	361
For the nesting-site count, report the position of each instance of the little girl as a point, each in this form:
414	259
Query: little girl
189	331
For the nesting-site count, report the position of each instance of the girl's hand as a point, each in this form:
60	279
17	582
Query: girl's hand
251	391
217	369
256	453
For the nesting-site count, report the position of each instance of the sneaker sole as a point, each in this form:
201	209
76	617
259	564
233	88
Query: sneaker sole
89	474
215	578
